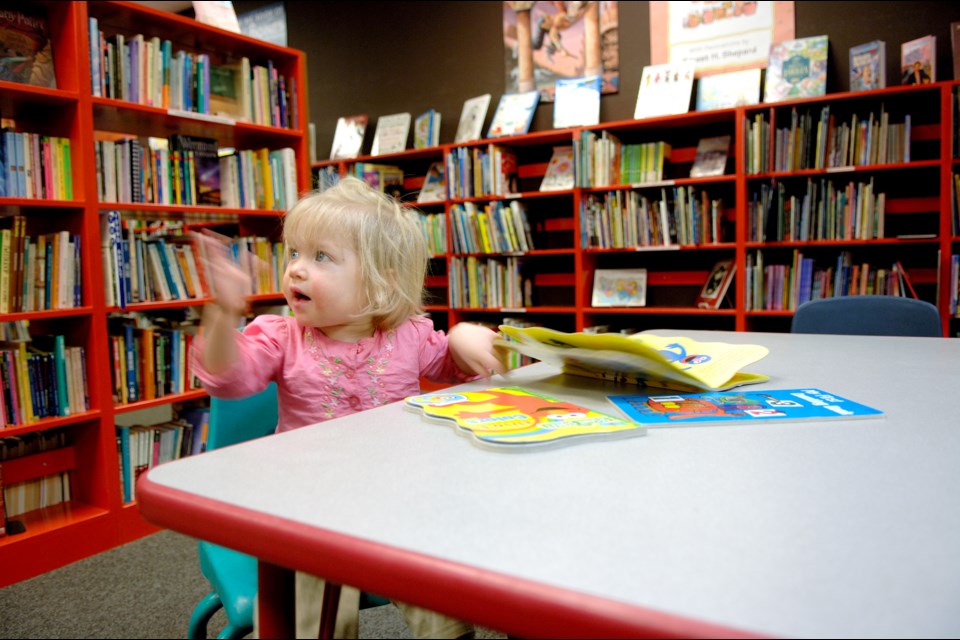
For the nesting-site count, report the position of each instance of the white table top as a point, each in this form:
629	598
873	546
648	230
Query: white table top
843	528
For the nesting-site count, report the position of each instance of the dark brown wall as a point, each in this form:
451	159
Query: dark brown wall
380	58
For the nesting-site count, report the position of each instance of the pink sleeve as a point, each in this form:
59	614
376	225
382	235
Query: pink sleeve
260	351
436	364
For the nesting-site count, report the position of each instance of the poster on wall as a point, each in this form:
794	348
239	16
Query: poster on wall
547	41
718	37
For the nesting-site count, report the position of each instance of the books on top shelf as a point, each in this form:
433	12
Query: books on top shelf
517	419
717	284
918	61
711	157
560	170
26	52
665	89
868	66
391	134
797	69
514	114
576	102
434	187
348	137
219	13
672	362
471	119
230	90
657	410
619	288
725	90
426	129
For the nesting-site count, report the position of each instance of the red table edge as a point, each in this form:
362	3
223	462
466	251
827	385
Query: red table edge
455	589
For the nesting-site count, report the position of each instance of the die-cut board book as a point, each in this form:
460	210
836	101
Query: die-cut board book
517	419
670	362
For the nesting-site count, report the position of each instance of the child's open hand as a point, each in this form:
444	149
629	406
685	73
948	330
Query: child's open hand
472	348
229	284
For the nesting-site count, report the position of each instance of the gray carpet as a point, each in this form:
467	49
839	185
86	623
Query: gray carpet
144	589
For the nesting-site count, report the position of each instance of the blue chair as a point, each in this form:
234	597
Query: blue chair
873	315
232	574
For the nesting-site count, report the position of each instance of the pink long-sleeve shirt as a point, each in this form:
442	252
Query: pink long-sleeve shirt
319	378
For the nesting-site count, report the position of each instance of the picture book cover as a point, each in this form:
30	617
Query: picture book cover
665	90
619	288
671	362
711	157
560	170
718	282
576	102
918	61
348	137
391	134
426	129
206	165
868	66
729	407
726	90
517	419
434	187
471	118
797	69
514	114
26	53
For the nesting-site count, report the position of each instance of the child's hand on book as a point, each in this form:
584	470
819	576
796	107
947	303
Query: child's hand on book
229	283
473	350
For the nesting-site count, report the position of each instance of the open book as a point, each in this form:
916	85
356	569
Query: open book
670	362
515	419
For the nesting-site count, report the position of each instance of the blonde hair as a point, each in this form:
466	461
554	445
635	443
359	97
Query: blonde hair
385	236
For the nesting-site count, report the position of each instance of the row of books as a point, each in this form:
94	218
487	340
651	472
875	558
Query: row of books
499	228
259	179
604	160
434	229
784	287
683	216
488	283
146	70
149	361
824	211
21	497
38	273
481	171
42	378
142	447
34	165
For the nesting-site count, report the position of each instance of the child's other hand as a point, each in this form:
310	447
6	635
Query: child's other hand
473	350
228	283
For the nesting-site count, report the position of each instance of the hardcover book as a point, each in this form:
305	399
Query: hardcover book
737	407
717	284
391	134
725	90
619	288
434	187
711	157
576	102
26	53
348	138
514	114
560	170
471	118
665	89
516	419
206	165
426	129
918	61
868	66
797	69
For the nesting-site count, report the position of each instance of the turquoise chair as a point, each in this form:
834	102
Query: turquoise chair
233	575
873	315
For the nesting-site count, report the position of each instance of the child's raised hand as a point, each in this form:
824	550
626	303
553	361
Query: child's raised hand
473	350
229	284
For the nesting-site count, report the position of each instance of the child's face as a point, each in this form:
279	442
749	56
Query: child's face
322	286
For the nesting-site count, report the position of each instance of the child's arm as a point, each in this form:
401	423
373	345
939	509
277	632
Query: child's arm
472	349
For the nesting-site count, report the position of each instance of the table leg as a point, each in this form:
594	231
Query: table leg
276	601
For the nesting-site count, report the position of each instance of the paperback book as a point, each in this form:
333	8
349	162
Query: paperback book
560	170
619	288
391	134
797	69
656	410
665	90
26	53
918	61
426	130
711	157
434	187
514	114
726	90
868	66
471	119
576	102
517	419
671	362
348	138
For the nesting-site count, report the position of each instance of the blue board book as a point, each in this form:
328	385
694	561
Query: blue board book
725	407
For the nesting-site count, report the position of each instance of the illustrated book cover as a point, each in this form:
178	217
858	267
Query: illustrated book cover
670	362
514	114
729	407
665	90
426	129
474	113
26	53
619	288
726	90
219	13
206	163
560	170
868	66
516	419
434	187
391	134
918	61
711	157
576	102
717	284
348	138
797	69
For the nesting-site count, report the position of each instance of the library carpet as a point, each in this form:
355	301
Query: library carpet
143	589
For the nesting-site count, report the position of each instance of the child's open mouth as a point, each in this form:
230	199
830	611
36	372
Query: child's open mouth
300	297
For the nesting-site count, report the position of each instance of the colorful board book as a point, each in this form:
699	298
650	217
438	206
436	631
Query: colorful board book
516	419
868	66
671	362
918	61
797	69
726	407
514	114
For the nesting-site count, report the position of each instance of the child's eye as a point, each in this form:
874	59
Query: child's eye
321	256
294	254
